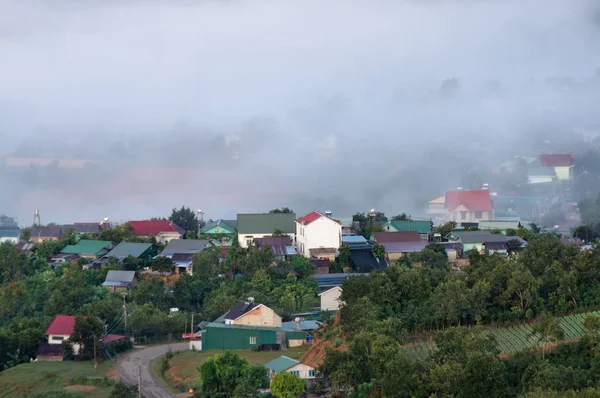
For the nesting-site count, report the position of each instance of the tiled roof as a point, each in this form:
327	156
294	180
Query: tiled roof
266	223
62	324
183	246
404	236
281	364
125	249
87	247
557	160
474	200
149	227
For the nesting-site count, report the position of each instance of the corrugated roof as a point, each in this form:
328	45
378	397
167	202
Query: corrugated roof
365	261
87	247
266	223
320	251
304	325
229	225
541	171
62	324
239	309
10	232
468	237
404	236
125	249
110	338
557	160
473	200
184	246
350	239
85	227
53	231
120	276
331	280
421	226
281	364
498	224
404	247
245	327
154	227
280	245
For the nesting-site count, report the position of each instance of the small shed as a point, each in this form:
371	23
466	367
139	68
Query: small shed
119	280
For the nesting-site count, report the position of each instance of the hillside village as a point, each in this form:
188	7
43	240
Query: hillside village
278	282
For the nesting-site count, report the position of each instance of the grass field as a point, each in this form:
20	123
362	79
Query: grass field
514	338
184	366
47	379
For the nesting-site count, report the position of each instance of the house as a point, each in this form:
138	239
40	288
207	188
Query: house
399	244
249	313
182	251
347	224
480	240
436	208
81	228
62	258
119	280
90	249
327	281
251	226
563	164
469	205
318	235
322	265
61	330
305	325
286	364
10	235
499	225
281	246
330	299
164	230
40	234
223	336
423	227
220	232
541	175
143	251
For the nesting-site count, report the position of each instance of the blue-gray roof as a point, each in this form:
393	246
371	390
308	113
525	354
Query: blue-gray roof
303	325
331	280
281	364
9	232
349	239
125	249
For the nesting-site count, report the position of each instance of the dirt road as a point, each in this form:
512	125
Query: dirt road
139	360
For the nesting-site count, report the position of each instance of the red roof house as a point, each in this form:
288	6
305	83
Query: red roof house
157	228
473	200
557	160
62	325
310	217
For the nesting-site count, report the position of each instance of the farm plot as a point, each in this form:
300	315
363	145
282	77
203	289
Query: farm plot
513	338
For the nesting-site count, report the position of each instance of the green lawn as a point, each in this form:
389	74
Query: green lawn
45	378
184	366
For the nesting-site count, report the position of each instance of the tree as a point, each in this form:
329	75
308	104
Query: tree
122	390
277	233
445	229
26	234
378	251
287	385
185	218
227	375
547	331
87	333
400	217
344	256
283	210
131	263
522	287
162	264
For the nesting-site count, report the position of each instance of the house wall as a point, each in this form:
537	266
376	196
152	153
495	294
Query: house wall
395	256
260	316
235	339
63	337
539	179
323	232
166	237
40	239
243	237
196	345
436	209
330	300
564	173
470	246
303	371
456	215
9	239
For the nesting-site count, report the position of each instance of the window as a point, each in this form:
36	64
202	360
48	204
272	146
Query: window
463	215
478	214
57	338
253	340
295	373
311	373
249	241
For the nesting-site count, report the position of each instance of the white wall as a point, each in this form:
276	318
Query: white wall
323	232
196	345
539	179
9	240
303	371
242	238
330	300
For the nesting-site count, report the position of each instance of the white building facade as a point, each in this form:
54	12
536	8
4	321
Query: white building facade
317	231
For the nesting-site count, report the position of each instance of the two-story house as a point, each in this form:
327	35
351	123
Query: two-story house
61	330
469	206
563	164
262	225
318	235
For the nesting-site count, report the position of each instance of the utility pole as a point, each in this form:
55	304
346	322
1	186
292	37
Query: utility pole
125	310
95	359
139	381
192	325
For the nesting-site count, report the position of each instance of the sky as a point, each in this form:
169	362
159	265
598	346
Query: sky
242	106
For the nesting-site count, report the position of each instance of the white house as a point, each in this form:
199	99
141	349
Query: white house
330	299
287	364
9	235
318	235
251	226
61	330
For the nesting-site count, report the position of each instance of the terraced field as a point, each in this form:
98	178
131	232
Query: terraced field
513	338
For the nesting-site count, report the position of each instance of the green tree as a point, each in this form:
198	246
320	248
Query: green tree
26	234
547	331
122	390
87	333
400	217
185	218
287	385
162	264
131	263
378	251
283	210
521	287
344	256
445	229
277	233
227	375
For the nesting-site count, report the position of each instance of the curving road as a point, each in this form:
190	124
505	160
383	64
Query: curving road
138	360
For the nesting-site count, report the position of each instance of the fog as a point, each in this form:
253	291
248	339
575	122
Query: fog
239	106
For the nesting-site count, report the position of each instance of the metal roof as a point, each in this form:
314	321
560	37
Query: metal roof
9	233
403	236
478	236
246	327
184	246
404	247
331	280
303	325
125	249
281	364
120	276
350	239
266	223
421	226
87	247
229	225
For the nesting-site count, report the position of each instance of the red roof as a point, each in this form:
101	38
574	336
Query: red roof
392	237
557	160
310	217
109	338
62	324
147	228
474	200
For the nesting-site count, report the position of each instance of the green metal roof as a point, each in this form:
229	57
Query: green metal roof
229	225
245	327
421	226
125	249
281	364
86	247
10	233
266	223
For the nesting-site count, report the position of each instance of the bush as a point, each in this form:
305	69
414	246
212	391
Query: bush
286	385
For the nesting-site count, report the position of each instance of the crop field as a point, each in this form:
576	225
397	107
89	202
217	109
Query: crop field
514	338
